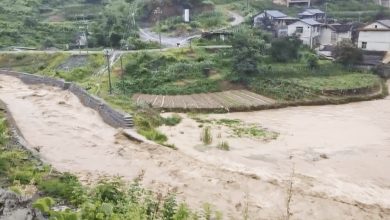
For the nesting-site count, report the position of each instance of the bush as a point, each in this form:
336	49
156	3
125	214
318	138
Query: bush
66	186
154	135
347	53
206	136
75	75
247	51
173	120
312	61
224	145
4	137
285	49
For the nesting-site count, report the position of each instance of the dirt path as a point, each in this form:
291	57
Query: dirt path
74	138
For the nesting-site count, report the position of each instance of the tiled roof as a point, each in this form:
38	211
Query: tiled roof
311	12
341	28
275	13
310	21
385	22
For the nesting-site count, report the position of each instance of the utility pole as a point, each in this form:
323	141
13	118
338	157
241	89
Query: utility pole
311	37
158	12
122	76
86	33
107	53
326	13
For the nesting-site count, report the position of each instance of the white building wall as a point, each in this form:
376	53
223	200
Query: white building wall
376	40
375	25
309	32
330	37
344	36
326	36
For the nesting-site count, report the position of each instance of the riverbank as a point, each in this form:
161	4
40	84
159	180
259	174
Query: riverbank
231	187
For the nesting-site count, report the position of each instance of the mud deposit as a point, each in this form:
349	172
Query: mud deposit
353	183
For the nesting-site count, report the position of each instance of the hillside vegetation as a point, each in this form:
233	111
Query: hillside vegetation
114	23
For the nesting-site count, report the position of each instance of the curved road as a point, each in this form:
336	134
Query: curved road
147	35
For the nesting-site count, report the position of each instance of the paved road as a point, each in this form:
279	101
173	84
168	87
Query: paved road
73	52
146	34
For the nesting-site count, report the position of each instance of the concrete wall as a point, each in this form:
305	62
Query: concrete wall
309	32
330	37
376	40
111	116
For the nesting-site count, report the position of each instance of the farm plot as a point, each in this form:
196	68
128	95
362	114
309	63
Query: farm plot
233	99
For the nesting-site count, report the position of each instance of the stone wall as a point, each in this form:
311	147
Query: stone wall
111	116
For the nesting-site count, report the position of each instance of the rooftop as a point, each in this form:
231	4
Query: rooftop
310	21
341	28
311	12
275	13
385	22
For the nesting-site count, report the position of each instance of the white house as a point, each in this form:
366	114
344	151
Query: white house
308	30
375	36
384	3
331	34
271	15
315	14
274	20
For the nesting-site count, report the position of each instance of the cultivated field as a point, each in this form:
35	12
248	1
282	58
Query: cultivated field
207	101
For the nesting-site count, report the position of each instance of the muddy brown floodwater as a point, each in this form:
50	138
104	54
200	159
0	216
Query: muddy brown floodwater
350	182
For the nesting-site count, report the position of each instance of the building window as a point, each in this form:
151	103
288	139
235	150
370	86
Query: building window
333	36
364	45
299	30
376	26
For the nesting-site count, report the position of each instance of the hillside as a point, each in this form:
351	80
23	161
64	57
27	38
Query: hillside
113	23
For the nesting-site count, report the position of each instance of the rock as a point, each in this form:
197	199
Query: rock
16	207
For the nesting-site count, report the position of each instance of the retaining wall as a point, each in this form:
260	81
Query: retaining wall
111	116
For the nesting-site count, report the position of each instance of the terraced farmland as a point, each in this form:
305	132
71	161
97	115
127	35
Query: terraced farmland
227	100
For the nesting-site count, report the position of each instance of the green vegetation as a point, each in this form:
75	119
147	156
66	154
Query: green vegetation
347	53
108	199
206	136
146	121
285	49
206	20
297	82
180	71
248	49
241	129
224	145
173	120
56	23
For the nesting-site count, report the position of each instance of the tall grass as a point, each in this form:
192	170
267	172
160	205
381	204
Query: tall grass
4	137
206	136
224	145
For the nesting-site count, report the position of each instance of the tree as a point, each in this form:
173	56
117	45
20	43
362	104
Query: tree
285	49
347	53
115	39
248	49
312	61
